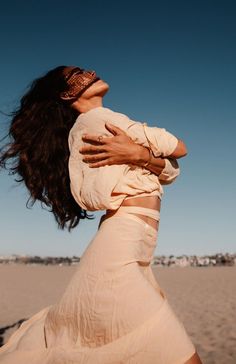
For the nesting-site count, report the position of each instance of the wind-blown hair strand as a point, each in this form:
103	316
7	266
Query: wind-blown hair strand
38	150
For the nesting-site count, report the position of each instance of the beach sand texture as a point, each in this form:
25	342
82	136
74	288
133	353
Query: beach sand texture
204	299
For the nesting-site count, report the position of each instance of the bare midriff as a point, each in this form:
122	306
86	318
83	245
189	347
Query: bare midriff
151	202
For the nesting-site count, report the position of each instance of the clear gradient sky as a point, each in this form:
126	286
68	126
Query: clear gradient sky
168	63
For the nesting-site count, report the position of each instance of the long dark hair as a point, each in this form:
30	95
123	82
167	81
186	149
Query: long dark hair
39	150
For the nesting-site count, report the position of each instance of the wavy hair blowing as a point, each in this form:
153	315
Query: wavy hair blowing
38	148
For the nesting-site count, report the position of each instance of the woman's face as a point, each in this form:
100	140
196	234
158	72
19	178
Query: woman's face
97	88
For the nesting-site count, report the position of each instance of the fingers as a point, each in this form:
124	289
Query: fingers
107	161
95	158
93	139
92	149
115	130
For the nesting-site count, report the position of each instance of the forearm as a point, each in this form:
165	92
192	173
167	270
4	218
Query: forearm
156	164
167	169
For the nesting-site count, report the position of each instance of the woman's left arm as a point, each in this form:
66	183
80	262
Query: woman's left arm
167	169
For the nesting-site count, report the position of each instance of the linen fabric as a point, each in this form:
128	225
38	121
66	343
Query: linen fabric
113	311
107	186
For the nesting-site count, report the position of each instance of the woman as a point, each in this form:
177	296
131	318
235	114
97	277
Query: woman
113	310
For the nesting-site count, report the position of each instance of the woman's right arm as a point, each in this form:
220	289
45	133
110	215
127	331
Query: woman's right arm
122	149
165	147
159	140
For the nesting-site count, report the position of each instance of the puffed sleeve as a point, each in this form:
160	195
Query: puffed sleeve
159	140
162	144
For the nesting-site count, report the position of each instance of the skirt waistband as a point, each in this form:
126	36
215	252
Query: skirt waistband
129	211
154	214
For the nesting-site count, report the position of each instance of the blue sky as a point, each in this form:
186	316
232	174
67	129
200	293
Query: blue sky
170	64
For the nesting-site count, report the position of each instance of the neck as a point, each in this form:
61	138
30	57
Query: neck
84	105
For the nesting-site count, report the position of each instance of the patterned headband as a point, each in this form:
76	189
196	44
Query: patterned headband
78	80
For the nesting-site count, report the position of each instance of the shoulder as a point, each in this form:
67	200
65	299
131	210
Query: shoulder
94	120
101	112
114	117
88	119
90	122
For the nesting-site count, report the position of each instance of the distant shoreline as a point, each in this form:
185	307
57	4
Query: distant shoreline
215	260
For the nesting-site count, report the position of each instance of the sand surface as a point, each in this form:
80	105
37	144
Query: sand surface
203	298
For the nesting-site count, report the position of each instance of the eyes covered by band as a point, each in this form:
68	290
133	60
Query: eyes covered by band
78	80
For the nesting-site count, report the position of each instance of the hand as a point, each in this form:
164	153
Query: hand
118	149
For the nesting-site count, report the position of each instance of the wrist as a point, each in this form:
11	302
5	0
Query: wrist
143	156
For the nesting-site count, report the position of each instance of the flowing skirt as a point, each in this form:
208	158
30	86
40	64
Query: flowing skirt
113	310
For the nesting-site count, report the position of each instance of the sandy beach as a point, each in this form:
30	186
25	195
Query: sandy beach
203	298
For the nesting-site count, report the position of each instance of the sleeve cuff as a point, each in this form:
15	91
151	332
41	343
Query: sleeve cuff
170	172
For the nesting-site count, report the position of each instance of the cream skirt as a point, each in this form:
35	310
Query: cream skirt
113	310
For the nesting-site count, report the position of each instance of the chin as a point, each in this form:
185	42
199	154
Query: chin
100	88
104	88
102	85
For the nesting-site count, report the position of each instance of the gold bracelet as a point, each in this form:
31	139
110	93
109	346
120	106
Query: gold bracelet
149	159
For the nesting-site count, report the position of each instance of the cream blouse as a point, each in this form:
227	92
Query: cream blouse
106	187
